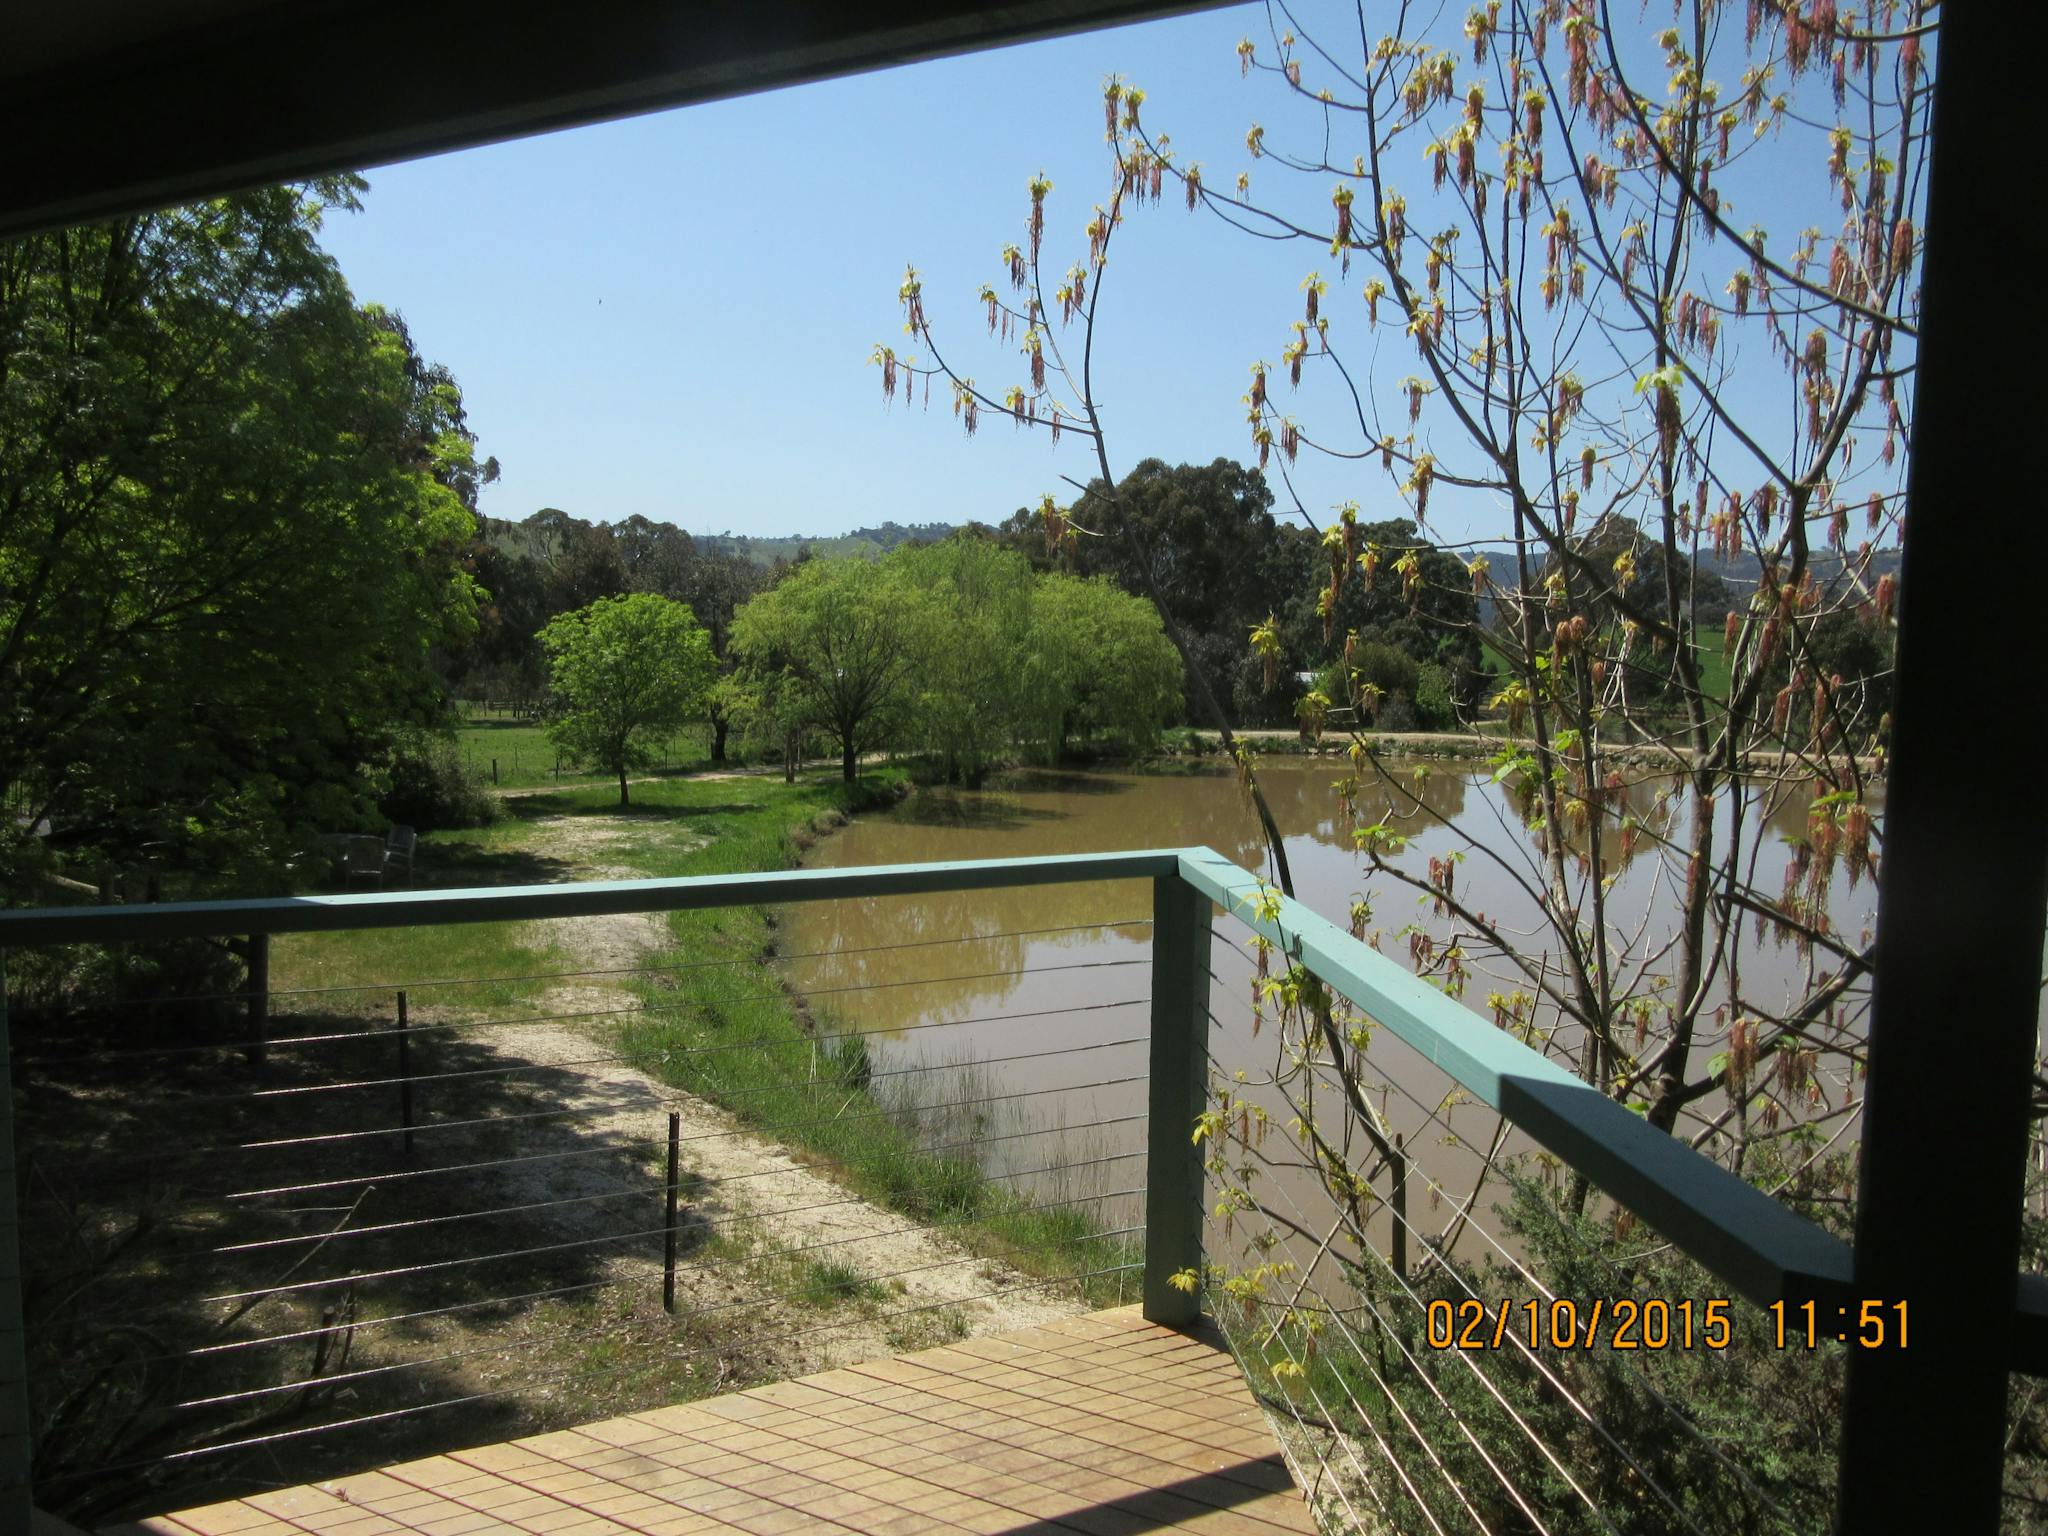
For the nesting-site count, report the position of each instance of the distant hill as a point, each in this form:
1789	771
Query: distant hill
868	542
541	535
1740	573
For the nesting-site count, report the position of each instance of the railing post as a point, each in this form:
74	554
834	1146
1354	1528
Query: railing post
405	1073
1179	1092
1953	1023
259	999
1397	1247
15	1487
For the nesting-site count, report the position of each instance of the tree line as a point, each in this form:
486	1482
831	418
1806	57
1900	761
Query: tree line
957	649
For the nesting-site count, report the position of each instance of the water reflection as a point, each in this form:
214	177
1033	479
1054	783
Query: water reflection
888	962
1025	978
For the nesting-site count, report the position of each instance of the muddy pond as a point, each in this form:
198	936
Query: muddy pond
1029	1006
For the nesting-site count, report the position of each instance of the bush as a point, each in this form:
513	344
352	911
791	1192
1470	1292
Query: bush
1390	669
429	786
1397	714
138	994
1434	703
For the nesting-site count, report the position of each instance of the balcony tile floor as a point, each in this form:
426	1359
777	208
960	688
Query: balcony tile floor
1101	1425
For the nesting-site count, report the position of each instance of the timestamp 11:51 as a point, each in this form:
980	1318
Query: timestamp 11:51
1867	1325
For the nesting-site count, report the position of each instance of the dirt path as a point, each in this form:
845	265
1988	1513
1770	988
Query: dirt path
756	771
770	1213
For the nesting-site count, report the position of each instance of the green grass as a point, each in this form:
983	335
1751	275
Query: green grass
827	1283
1713	661
713	989
526	759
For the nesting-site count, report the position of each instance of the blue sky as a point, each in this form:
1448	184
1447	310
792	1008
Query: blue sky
672	315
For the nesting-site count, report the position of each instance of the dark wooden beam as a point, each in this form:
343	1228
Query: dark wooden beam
305	88
1965	875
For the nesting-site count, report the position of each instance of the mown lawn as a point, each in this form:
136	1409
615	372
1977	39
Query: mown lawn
526	759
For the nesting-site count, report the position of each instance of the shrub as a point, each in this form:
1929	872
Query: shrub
174	990
429	786
1390	669
1434	704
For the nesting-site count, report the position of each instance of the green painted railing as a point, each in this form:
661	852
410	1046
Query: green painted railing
1763	1251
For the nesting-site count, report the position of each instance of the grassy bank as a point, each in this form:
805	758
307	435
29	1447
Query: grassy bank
510	1264
708	1011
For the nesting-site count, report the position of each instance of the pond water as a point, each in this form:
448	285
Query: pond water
1046	987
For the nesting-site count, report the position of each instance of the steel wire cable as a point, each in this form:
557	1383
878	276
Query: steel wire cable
625	970
1393	1399
1339	1438
625	1058
1535	1360
389	1032
494	1394
441	1266
603	1107
1462	1207
692	1314
614	1148
415	1223
493	1301
1408	1420
385	1033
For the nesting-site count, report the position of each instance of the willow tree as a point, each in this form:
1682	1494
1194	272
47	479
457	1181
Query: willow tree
831	648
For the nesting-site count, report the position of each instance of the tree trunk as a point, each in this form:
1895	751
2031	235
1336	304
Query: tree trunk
719	726
622	787
849	762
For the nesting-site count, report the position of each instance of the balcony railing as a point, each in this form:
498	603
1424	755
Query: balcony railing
1332	1332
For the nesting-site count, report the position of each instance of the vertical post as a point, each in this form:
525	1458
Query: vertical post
668	1255
1179	1092
258	956
405	1073
15	1487
1954	1007
1397	1169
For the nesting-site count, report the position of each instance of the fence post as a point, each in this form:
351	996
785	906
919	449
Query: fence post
15	1487
405	1073
1397	1168
1179	1092
668	1255
259	998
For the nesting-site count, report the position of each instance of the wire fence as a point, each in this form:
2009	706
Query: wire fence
270	1244
1454	1334
270	1239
